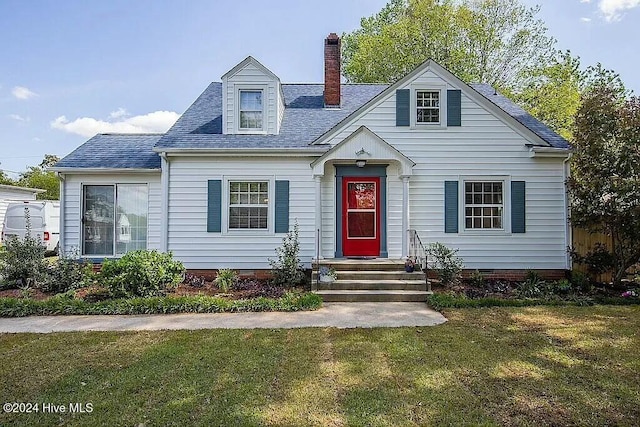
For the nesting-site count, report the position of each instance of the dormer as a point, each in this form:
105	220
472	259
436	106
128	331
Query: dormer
253	102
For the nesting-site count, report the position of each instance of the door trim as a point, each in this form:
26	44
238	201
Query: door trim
379	171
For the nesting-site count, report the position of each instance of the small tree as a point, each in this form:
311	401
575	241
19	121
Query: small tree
287	270
22	260
605	179
445	262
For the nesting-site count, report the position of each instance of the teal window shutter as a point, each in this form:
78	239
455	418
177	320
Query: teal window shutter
518	213
282	206
214	206
403	107
451	206
454	108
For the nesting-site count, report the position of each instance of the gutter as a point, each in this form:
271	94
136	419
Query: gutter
61	247
105	170
229	152
549	152
568	232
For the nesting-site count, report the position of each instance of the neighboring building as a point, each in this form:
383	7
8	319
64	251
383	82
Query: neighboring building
355	165
10	193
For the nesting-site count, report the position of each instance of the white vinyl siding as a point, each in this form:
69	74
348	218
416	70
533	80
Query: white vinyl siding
73	183
252	78
188	238
483	146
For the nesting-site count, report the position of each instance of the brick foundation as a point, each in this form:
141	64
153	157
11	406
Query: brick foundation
514	275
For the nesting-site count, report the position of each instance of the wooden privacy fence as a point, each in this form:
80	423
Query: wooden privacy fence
583	241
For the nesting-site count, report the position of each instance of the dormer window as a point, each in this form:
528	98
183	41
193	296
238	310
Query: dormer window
427	106
251	110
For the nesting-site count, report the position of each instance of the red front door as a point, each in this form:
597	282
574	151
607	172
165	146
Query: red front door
360	216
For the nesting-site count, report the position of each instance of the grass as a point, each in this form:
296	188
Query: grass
494	366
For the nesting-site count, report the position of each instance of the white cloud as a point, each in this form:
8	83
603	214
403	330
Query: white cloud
120	112
157	121
19	118
583	19
585	1
613	10
22	92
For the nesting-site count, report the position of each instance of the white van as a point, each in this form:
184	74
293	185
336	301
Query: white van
45	222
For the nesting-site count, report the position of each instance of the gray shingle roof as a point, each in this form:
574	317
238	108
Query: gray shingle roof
304	120
533	124
121	151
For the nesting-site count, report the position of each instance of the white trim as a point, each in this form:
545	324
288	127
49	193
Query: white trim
442	89
245	87
549	152
164	203
235	152
242	64
506	205
271	180
405	216
61	247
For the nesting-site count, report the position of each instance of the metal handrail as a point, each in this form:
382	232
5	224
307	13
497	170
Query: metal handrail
418	253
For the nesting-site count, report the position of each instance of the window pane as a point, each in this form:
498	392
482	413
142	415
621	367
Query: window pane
497	222
98	221
361	195
361	224
477	187
486	222
250	100
131	217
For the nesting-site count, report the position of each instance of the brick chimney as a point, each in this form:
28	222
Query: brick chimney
332	71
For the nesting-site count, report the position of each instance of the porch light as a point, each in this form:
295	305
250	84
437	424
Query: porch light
360	163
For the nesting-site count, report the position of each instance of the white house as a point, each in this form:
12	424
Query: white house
355	165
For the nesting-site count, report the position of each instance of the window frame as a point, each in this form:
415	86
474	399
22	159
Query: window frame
250	88
505	180
114	186
226	205
442	97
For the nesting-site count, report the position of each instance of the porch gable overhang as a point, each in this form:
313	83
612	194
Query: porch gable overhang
363	144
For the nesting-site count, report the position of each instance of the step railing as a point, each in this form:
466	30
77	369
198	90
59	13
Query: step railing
418	254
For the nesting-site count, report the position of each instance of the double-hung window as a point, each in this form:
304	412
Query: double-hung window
484	205
251	110
427	106
114	219
248	204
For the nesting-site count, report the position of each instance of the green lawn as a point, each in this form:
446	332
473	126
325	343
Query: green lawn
501	366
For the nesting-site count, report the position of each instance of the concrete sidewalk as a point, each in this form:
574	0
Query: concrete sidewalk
336	315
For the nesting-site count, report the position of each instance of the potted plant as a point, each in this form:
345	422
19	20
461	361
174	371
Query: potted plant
327	274
409	265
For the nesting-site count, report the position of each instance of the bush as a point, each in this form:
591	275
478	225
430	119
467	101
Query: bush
532	287
477	279
64	304
226	279
194	281
142	273
445	262
22	261
287	271
581	281
66	273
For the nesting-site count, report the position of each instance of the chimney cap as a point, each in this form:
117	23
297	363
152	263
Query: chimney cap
333	36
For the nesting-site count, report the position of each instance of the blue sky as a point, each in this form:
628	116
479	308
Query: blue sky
70	69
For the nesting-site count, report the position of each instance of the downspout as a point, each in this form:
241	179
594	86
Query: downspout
61	248
164	219
568	233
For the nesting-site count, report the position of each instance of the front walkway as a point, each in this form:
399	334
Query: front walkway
336	315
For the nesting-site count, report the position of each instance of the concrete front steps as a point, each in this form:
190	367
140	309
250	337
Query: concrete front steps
370	280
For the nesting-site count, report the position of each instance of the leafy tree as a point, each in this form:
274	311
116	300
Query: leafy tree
5	180
40	177
553	94
605	181
493	41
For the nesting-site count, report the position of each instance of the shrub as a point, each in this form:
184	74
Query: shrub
581	281
66	273
477	279
445	262
142	273
22	260
287	270
532	287
226	279
64	304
